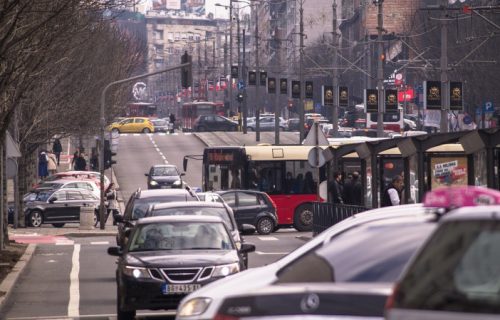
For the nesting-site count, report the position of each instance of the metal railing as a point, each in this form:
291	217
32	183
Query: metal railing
327	214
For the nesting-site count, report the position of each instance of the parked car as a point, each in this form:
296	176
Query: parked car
455	275
58	206
79	175
138	205
163	176
132	125
311	301
252	207
267	124
160	125
90	185
169	257
214	123
204	303
210	197
293	124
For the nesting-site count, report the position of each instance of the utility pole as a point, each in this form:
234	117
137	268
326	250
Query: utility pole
230	55
335	110
238	42
257	76
444	71
301	73
243	72
380	70
226	72
277	109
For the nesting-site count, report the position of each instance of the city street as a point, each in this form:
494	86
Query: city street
73	277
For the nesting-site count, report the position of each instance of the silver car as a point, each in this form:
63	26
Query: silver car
266	124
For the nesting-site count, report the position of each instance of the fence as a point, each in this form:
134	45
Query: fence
327	214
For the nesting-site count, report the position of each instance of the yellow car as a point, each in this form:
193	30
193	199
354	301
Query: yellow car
132	125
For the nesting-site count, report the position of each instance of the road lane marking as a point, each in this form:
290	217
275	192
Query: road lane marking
188	133
267	238
264	253
99	242
65	242
74	287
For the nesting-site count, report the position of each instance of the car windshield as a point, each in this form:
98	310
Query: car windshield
38	196
141	205
165	171
370	253
199	211
180	236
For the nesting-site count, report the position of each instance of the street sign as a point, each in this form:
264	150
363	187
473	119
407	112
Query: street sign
241	85
316	158
316	137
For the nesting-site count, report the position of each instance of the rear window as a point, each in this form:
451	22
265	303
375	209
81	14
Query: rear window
141	205
369	253
458	270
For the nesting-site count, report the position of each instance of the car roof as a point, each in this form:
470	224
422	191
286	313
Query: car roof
474	213
177	204
185	218
66	181
159	193
239	190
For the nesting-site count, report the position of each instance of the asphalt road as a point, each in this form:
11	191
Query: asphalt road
74	278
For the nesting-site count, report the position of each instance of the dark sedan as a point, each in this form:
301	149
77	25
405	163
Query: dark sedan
163	176
57	207
214	123
169	257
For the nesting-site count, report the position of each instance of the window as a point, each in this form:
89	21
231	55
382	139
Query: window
60	195
230	198
89	196
84	185
74	195
71	185
247	199
139	120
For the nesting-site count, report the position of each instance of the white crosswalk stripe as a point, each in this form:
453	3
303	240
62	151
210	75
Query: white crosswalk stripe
268	238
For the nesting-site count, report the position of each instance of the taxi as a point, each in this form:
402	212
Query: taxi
132	125
456	273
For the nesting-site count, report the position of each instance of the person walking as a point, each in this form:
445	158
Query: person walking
172	123
43	165
57	149
51	163
112	207
336	188
80	162
76	154
392	194
353	191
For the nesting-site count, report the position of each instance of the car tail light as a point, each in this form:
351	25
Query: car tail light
389	304
224	317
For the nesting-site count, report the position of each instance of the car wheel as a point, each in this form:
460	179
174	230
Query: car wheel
303	218
35	218
58	225
115	130
146	130
121	314
265	225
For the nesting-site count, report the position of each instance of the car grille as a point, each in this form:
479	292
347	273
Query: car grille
181	275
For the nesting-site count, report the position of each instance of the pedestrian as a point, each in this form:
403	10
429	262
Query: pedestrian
353	191
392	194
80	162
112	200
57	149
309	186
336	188
43	165
172	123
94	160
51	163
76	154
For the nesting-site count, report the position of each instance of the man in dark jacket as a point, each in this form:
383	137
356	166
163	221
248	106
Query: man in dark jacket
392	195
57	149
353	191
336	188
80	162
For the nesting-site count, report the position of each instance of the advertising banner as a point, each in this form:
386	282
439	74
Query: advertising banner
448	171
432	92
371	101
283	86
343	96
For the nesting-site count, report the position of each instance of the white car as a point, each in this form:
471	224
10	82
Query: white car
71	184
204	303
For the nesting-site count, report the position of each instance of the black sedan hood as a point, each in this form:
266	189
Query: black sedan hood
185	258
165	178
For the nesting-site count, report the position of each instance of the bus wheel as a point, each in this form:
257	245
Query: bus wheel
303	218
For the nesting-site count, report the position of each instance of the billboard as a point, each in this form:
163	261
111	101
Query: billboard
166	4
448	171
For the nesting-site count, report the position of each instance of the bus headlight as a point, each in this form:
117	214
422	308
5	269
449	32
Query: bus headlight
225	270
194	307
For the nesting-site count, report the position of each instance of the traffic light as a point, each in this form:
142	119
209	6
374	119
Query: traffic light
186	74
239	97
108	155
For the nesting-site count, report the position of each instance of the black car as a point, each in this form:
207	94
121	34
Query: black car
138	205
214	123
169	257
315	301
57	207
252	207
164	176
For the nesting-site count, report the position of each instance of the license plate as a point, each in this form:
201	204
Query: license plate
179	288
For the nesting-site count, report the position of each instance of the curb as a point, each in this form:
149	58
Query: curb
11	279
200	138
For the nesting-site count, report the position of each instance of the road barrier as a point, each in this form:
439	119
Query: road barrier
87	215
327	214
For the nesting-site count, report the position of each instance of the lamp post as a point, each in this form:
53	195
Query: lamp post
380	70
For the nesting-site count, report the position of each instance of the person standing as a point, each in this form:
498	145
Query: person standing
392	194
57	149
112	207
353	191
43	165
51	163
172	122
75	157
336	188
80	162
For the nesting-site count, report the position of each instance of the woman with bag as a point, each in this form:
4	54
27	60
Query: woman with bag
111	197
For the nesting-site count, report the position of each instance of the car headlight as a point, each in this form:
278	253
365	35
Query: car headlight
194	307
153	183
225	270
136	272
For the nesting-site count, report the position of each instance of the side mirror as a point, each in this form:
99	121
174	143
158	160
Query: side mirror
52	200
114	251
183	174
184	163
246	248
247	229
119	218
146	174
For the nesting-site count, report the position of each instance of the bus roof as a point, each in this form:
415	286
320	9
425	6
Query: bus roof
278	153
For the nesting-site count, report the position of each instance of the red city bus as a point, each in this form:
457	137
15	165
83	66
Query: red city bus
141	109
192	110
283	172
